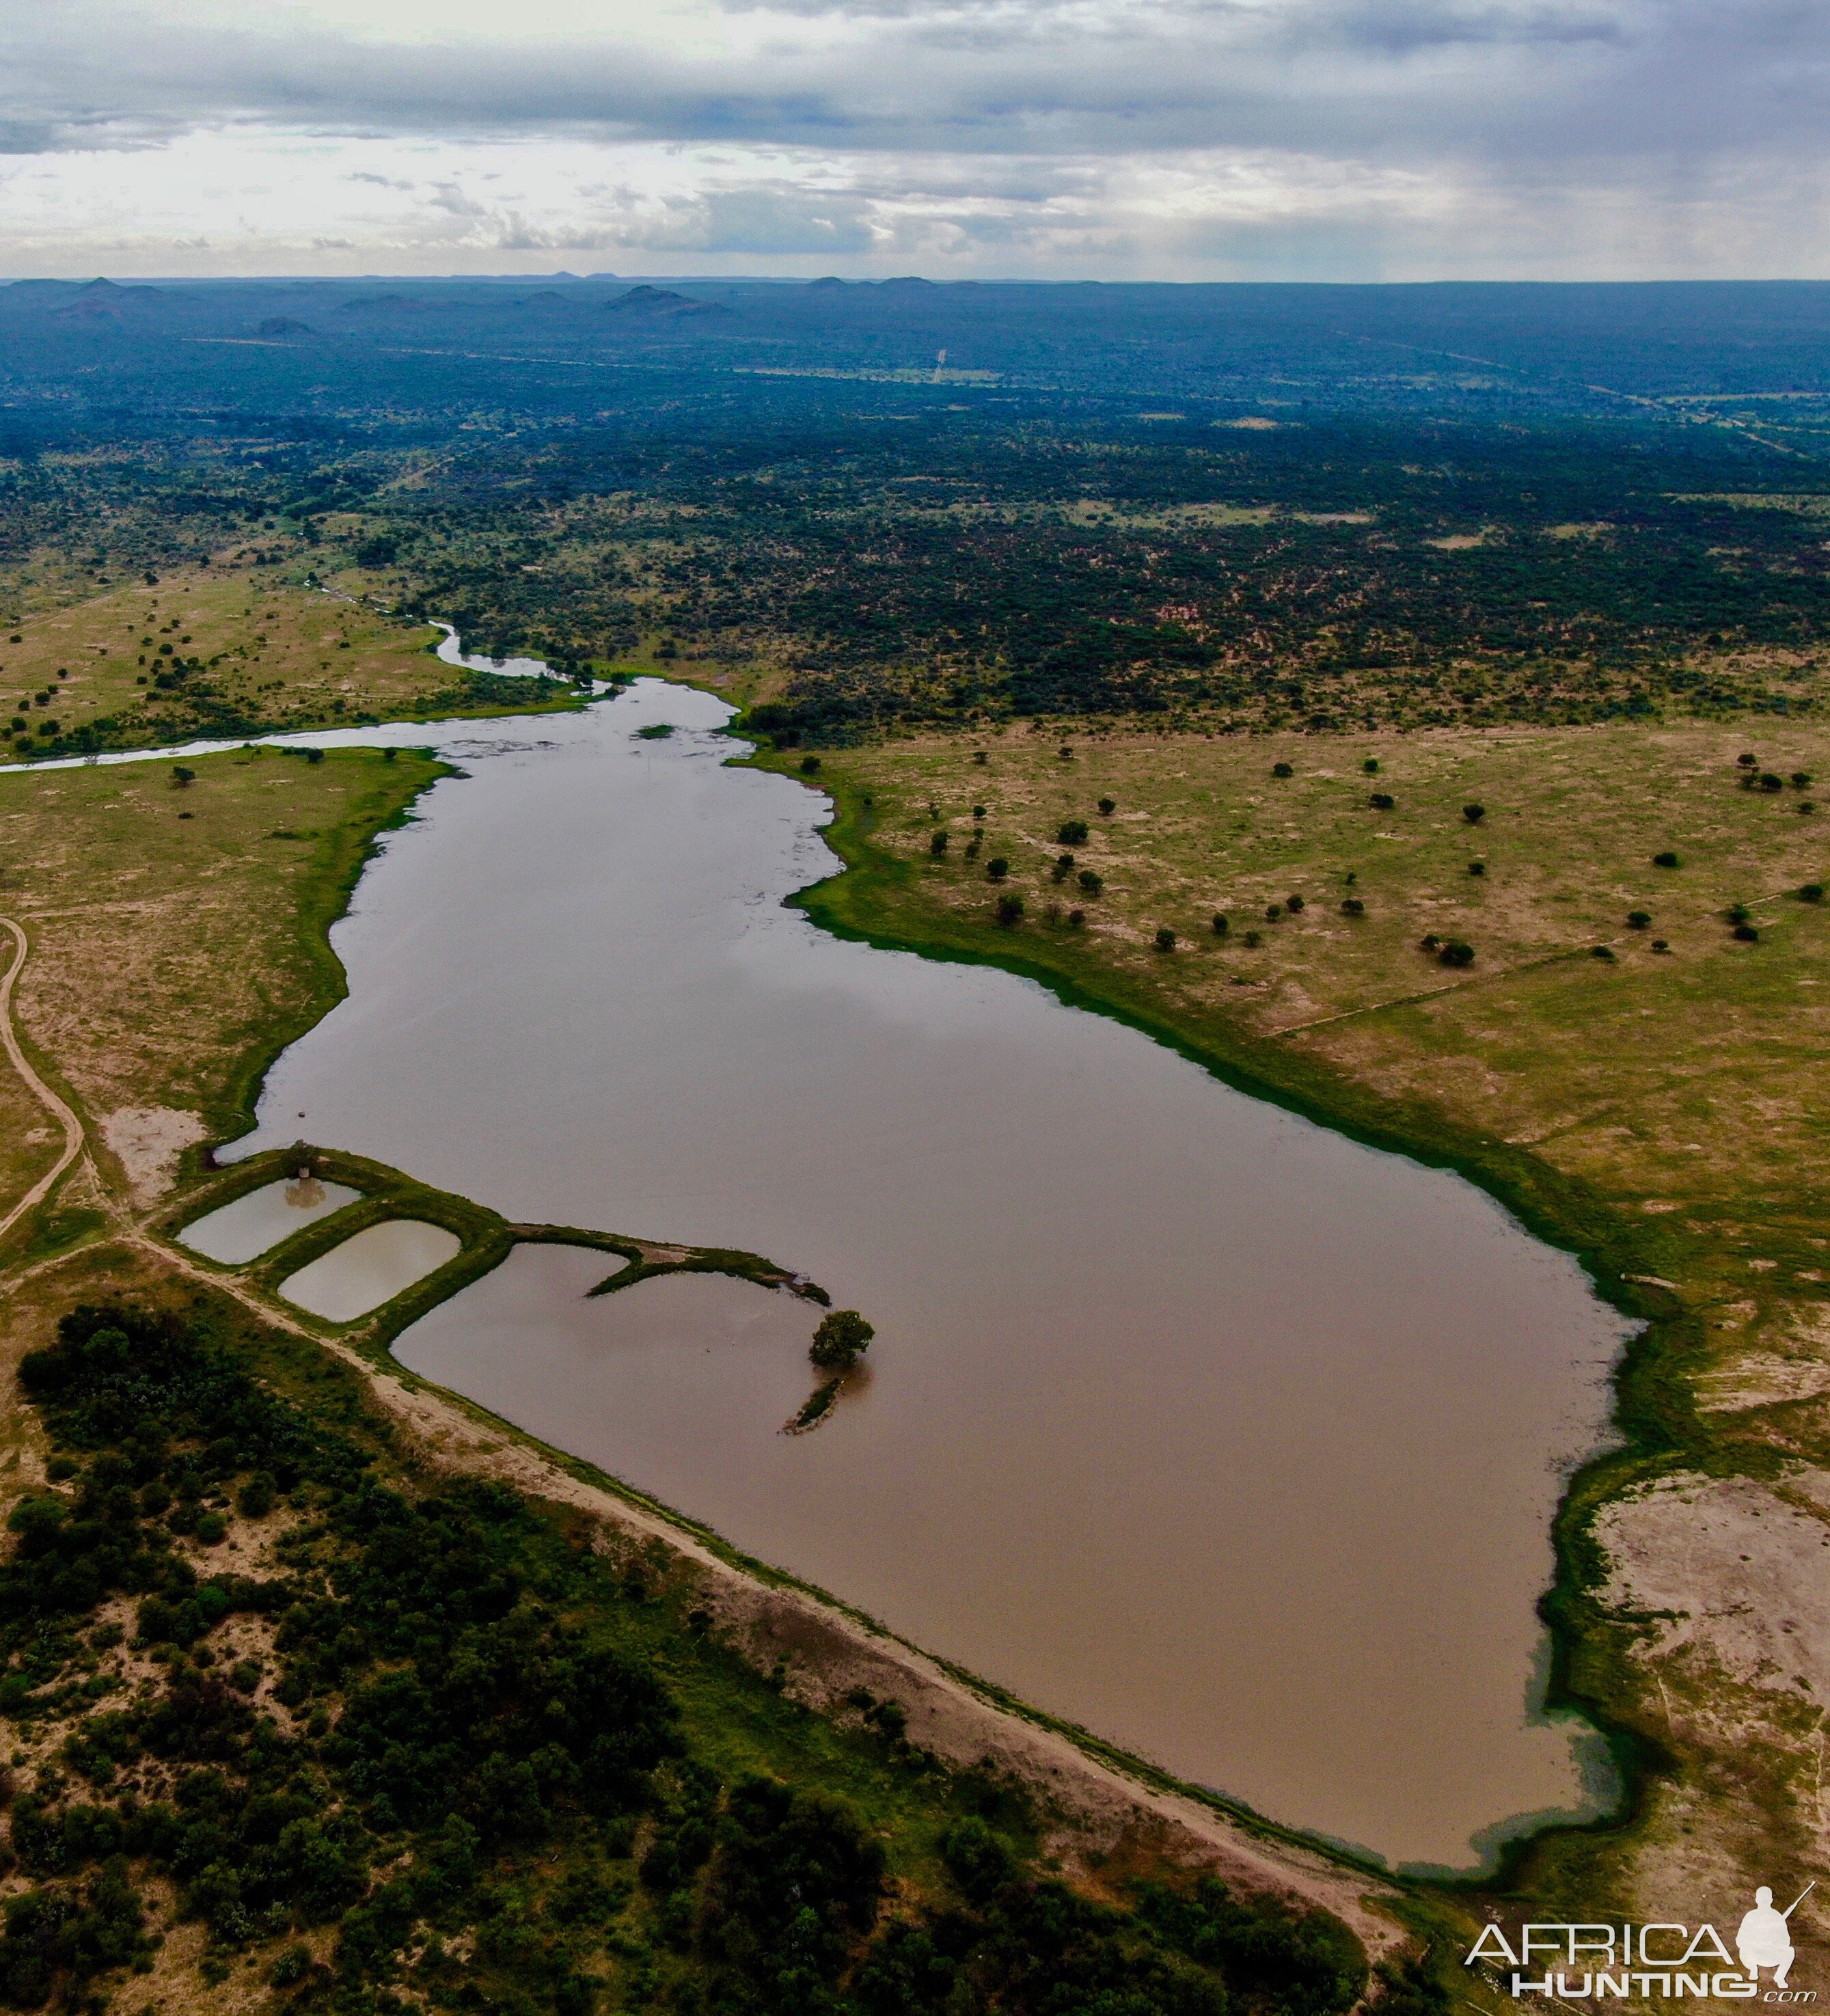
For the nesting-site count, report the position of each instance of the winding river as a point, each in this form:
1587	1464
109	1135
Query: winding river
1187	1419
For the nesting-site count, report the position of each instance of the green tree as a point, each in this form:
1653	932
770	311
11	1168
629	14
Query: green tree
842	1338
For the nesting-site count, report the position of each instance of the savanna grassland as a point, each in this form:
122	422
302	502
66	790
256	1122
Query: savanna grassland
1556	554
219	651
177	929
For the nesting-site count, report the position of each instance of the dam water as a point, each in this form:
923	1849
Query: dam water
1186	1420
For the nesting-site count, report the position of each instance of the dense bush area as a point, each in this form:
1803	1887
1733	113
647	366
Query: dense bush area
429	1753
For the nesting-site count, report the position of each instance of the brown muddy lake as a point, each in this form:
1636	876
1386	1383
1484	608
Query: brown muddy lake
1187	1419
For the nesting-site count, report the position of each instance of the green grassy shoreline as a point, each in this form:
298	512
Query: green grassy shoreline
869	901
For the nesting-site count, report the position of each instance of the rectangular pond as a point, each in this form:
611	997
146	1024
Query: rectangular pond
370	1268
255	1224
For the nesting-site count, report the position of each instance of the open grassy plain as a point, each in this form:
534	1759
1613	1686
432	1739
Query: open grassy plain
176	935
1649	1093
221	651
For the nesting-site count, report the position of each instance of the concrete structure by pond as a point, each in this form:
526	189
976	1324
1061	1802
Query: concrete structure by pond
255	1224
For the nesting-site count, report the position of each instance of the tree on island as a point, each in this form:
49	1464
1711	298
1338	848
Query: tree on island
841	1339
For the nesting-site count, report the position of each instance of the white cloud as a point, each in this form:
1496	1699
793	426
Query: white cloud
1358	139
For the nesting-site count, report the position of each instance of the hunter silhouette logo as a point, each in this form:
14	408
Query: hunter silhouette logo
1662	1960
1765	1937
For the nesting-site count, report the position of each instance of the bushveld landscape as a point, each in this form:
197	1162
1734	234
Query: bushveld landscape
1437	750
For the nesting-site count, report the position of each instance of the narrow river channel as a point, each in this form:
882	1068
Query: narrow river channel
1186	1420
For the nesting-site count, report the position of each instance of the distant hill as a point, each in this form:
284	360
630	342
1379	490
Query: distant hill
662	303
284	326
103	300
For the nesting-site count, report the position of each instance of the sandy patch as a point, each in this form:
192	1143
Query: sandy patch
1763	1380
147	1141
1728	1567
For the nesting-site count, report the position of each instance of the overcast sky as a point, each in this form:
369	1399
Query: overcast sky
1164	139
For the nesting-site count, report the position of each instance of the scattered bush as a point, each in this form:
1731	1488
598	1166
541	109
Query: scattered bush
1812	892
1253	939
938	842
1089	881
979	756
1221	926
1065	753
1009	910
1746	933
1353	907
1293	904
1660	945
1748	762
979	812
1801	781
1771	781
1456	953
1282	770
809	765
1064	867
1739	913
181	776
1165	939
1072	834
1076	919
1637	920
291	1966
1382	801
1273	912
1601	952
1474	814
997	868
1370	766
1477	868
1108	807
1667	859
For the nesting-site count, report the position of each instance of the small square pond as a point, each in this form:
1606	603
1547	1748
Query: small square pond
255	1224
